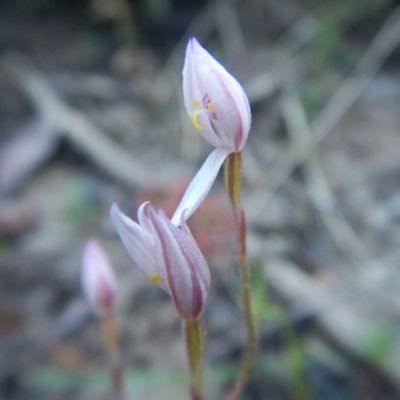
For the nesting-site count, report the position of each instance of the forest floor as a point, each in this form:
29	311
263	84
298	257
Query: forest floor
91	112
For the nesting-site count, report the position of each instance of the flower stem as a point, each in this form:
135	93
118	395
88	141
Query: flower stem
233	167
111	344
233	179
195	346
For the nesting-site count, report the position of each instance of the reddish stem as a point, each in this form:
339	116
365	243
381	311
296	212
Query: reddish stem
111	343
233	167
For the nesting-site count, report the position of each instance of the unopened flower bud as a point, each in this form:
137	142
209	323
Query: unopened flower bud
99	283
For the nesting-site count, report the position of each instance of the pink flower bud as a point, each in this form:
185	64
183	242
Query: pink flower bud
99	283
168	255
214	99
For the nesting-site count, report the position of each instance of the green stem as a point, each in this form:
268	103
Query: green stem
195	346
233	166
111	344
233	178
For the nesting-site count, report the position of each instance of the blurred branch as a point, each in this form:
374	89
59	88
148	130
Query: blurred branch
69	122
318	188
165	85
339	316
384	42
378	51
230	32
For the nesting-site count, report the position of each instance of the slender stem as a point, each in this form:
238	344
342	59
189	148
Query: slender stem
195	346
233	184
111	343
233	179
249	350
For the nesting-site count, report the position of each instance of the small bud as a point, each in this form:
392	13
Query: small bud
99	283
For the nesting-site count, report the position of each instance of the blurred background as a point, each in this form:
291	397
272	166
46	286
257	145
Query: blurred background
91	112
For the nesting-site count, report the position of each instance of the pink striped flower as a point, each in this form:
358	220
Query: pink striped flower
220	112
99	283
168	255
214	99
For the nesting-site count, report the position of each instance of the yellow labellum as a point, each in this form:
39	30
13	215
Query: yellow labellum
195	121
153	278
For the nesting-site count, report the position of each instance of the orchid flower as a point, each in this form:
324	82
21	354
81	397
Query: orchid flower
214	99
220	112
98	280
168	255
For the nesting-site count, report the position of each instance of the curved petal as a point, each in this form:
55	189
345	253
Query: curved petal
200	185
186	269
199	268
231	106
137	242
192	96
191	91
143	219
171	261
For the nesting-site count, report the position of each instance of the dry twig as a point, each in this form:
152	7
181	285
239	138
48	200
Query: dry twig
66	121
380	48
